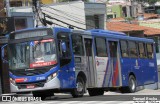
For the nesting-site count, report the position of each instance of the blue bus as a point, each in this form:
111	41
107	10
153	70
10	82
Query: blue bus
45	61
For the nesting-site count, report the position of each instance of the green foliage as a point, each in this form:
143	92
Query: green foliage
149	1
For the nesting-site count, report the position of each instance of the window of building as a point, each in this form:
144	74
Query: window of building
150	50
20	23
101	47
77	45
133	49
124	48
15	3
19	3
142	52
109	16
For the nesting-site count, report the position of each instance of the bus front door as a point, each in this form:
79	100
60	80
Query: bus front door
90	62
114	64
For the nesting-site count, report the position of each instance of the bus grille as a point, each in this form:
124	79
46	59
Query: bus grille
37	71
36	84
30	73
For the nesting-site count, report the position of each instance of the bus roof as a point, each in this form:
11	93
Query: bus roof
117	35
107	31
97	32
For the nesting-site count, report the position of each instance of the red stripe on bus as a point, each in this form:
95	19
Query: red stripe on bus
115	75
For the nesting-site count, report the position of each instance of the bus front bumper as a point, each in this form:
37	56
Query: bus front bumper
52	84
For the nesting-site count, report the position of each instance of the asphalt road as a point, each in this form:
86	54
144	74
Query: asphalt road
107	98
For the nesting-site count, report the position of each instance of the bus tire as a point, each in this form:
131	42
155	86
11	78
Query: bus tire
80	88
95	92
132	84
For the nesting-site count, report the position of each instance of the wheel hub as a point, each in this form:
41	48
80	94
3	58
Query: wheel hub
132	84
79	87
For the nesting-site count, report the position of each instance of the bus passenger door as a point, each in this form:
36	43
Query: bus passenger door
114	60
66	73
90	61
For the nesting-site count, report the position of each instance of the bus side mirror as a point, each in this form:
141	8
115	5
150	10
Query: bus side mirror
63	47
4	54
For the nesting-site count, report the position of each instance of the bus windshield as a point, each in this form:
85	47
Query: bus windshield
32	54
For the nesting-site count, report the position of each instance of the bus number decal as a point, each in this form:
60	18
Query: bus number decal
40	78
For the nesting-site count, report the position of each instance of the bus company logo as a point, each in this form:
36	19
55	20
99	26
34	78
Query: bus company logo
136	66
6	98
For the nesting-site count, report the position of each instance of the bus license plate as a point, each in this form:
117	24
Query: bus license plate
30	86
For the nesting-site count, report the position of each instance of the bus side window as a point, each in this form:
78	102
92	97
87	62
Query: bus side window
65	57
77	45
150	51
142	53
132	49
101	48
124	48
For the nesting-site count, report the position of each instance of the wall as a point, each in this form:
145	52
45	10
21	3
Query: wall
118	10
97	10
27	16
47	1
148	24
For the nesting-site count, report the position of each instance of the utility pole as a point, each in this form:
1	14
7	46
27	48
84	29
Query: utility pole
8	8
2	13
36	7
4	73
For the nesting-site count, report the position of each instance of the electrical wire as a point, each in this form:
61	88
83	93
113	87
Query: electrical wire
68	18
68	15
64	22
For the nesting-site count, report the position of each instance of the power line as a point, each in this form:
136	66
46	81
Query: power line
69	19
63	22
69	15
62	11
78	19
50	23
44	21
64	17
72	16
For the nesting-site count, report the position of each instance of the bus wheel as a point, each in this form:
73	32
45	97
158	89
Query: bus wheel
132	84
95	92
80	88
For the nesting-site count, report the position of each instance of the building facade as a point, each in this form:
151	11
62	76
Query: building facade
78	14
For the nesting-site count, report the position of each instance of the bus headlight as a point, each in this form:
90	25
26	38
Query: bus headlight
12	81
51	76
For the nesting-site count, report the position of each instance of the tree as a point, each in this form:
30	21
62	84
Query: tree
148	1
